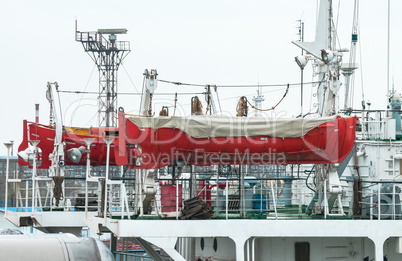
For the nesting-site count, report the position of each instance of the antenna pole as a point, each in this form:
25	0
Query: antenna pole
389	32
107	53
302	72
301	39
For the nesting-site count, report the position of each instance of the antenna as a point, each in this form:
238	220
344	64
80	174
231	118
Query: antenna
301	39
388	43
258	101
107	53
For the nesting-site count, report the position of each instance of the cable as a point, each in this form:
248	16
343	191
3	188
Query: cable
322	108
179	83
133	93
143	87
352	56
129	77
86	86
219	101
264	92
310	172
273	108
236	86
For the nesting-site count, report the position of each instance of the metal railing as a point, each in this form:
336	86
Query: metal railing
226	197
122	256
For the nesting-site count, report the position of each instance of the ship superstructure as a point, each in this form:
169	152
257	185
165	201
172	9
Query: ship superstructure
317	187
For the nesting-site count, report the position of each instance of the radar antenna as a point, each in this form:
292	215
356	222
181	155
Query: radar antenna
107	53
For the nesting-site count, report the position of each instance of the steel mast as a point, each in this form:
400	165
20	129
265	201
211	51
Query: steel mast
107	53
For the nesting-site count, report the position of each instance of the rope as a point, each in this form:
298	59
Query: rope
175	103
196	107
357	197
138	115
103	187
208	98
178	175
57	190
242	107
273	107
163	112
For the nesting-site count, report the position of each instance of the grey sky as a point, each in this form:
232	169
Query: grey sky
203	42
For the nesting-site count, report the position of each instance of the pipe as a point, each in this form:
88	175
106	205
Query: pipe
37	113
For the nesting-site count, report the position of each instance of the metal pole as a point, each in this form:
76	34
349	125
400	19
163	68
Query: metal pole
301	70
217	193
227	197
33	203
288	192
243	192
140	186
325	200
260	197
108	141
379	201
393	201
371	204
88	141
8	145
34	143
190	182
301	93
274	199
194	183
177	200
137	191
26	196
389	33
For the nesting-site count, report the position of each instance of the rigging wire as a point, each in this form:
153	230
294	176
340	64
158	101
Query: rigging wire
361	69
335	29
352	58
337	15
219	102
180	83
129	77
236	86
175	104
133	93
309	174
61	112
237	97
143	87
322	106
264	92
273	107
91	119
86	86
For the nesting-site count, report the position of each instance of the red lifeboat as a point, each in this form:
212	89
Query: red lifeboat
149	143
205	140
73	138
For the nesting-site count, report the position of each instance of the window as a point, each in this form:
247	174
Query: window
302	251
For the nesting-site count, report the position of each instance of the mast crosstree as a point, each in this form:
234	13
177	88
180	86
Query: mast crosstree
107	53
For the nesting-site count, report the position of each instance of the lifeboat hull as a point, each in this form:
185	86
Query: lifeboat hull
72	139
151	148
330	142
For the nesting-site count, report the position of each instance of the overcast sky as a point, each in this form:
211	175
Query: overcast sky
202	42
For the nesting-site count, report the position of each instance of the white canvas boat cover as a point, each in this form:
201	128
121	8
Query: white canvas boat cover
206	126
